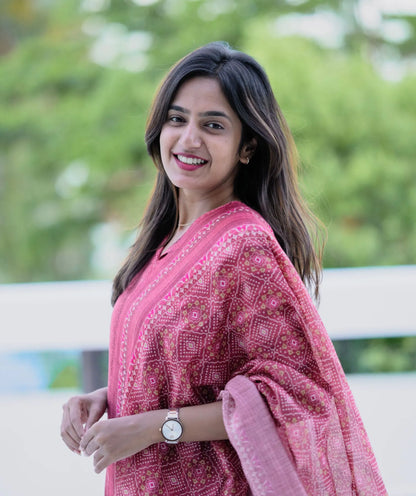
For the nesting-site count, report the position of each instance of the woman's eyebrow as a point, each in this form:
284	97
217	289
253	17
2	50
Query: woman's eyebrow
214	113
208	113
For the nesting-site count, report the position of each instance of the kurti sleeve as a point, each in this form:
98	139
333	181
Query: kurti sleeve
305	410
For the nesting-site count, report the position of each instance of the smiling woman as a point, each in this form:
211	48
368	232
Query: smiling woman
222	378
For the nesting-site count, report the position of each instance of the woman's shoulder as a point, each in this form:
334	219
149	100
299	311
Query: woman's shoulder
237	221
222	234
237	214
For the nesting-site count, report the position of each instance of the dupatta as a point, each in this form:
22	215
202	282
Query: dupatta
225	315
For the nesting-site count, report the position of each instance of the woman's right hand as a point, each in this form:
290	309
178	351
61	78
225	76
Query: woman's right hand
79	414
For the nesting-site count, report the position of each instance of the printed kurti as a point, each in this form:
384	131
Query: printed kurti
223	314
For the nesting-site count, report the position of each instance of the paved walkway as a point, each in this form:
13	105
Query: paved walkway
387	403
33	459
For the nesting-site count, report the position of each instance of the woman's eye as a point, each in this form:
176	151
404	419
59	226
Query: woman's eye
175	118
215	125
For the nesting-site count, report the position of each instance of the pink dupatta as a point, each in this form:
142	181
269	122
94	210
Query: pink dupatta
266	464
224	313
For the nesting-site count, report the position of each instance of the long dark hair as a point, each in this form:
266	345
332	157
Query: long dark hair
268	184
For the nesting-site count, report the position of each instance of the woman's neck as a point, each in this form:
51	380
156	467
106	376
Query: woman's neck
192	209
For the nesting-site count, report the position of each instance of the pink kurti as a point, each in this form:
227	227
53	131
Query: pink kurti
223	314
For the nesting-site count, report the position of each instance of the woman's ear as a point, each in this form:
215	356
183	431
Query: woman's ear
248	150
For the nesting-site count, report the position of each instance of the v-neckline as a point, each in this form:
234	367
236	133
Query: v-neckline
162	253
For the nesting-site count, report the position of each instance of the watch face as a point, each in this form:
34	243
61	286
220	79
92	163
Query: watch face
172	430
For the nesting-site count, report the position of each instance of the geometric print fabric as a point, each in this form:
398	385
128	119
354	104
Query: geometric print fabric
225	302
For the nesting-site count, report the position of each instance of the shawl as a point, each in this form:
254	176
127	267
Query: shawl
224	315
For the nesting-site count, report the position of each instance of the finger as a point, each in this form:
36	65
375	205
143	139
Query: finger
100	461
94	415
86	440
92	447
72	419
70	442
76	413
68	434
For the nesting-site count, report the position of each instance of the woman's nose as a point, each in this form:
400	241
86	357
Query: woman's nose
190	137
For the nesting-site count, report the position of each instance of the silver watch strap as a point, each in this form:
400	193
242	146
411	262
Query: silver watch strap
173	414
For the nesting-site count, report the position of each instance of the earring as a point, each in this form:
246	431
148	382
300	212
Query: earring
248	160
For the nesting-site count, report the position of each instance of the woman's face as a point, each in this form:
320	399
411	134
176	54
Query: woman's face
199	142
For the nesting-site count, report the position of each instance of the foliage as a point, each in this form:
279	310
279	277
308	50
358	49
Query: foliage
354	132
72	156
377	355
67	378
71	139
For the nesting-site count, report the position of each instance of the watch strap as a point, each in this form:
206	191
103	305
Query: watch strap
173	414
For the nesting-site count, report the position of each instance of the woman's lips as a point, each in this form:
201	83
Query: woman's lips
189	162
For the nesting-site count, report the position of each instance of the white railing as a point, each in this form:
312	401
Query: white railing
369	302
55	316
355	303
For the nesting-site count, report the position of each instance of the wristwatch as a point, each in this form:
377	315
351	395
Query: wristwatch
172	428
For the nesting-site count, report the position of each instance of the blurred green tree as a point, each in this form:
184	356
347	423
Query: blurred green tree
76	82
354	134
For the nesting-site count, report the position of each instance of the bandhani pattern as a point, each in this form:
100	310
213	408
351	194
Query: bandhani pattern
222	313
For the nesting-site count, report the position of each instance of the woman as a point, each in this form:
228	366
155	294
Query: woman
222	379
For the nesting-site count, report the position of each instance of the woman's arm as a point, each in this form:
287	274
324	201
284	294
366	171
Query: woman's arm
114	439
203	423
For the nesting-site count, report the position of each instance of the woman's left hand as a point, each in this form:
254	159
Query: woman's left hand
114	439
